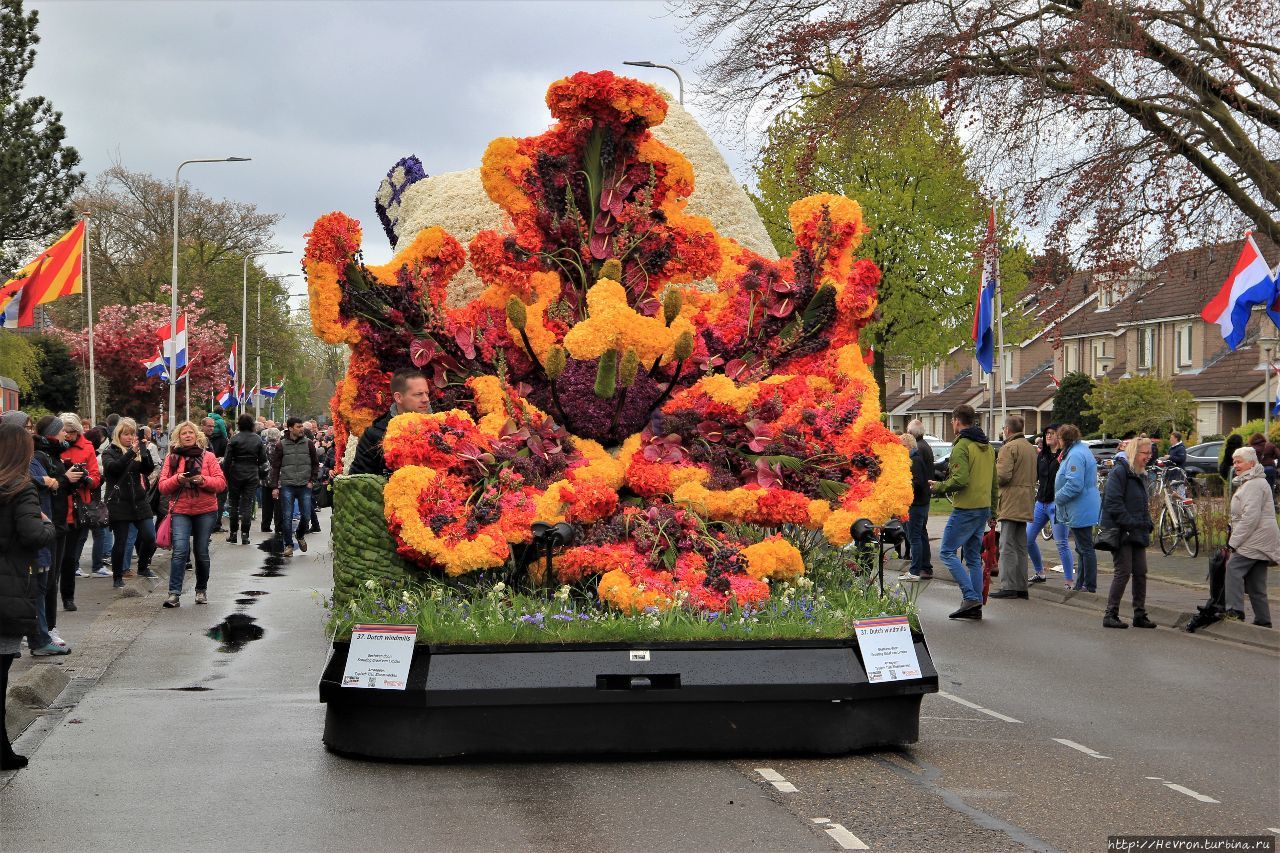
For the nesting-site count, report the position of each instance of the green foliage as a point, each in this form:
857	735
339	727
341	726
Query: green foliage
1248	428
1141	404
59	386
20	360
1070	404
37	171
362	546
898	159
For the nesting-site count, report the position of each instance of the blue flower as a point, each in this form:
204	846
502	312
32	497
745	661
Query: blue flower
534	619
403	608
564	617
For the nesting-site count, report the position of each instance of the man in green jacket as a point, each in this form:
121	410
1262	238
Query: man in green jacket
971	484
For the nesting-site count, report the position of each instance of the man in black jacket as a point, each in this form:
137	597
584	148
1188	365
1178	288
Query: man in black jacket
918	512
411	392
242	465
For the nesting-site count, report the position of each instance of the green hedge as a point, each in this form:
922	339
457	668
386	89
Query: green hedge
362	546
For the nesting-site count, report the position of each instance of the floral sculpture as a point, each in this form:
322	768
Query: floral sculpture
627	370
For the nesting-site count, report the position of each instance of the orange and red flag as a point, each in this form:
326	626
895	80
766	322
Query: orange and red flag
53	274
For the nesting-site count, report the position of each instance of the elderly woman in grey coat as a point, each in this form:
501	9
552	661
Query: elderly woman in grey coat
1255	538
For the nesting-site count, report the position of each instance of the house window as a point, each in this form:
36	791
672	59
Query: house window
902	380
1182	343
1146	346
1007	364
1099	353
933	377
1069	358
1104	298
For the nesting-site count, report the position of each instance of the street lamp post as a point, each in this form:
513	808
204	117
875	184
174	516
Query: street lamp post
244	318
257	347
173	285
1268	347
647	64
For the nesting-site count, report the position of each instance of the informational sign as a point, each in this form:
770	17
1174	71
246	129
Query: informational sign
887	650
379	657
639	656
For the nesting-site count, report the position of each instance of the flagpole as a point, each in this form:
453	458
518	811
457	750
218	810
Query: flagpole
88	292
1004	409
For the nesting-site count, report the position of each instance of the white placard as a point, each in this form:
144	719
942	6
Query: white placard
887	650
639	656
379	657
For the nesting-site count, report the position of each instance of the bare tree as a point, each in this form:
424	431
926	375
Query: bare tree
1119	124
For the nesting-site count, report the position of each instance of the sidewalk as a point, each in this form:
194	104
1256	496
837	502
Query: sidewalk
1176	586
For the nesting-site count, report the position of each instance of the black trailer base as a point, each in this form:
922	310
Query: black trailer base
808	697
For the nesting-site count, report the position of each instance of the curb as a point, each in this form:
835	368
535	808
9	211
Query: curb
1238	632
30	694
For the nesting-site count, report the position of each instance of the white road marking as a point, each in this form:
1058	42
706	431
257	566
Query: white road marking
846	839
1157	778
774	778
820	819
1181	789
968	704
1082	748
1274	829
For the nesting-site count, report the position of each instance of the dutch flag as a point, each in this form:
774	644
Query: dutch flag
231	364
270	391
1249	284
227	399
179	343
155	366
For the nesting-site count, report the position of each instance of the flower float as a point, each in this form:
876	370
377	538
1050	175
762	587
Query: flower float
626	370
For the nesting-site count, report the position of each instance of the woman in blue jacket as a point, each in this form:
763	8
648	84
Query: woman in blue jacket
1077	503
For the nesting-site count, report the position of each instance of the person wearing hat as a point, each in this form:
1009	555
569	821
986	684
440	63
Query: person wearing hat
39	641
84	478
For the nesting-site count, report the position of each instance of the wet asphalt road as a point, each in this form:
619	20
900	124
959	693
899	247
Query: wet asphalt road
142	764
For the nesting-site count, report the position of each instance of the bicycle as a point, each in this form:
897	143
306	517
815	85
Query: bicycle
1177	521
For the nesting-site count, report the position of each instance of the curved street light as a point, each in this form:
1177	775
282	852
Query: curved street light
647	64
173	288
244	315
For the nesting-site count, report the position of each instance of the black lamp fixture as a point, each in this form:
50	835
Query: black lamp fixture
548	537
891	533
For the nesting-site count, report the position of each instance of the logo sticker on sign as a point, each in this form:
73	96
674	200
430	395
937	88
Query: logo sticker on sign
639	656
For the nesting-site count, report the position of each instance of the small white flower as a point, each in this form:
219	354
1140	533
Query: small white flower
384	193
371	584
397	176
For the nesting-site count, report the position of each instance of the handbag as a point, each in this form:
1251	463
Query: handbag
1108	539
164	533
92	515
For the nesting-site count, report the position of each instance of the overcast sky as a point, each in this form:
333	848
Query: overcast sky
326	96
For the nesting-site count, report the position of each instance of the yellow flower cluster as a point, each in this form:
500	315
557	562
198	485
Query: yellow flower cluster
546	289
400	505
718	505
429	244
601	465
679	170
501	160
726	392
325	295
617	590
774	558
615	325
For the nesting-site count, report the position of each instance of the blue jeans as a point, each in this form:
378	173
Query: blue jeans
288	496
1087	576
918	536
963	534
190	532
1043	516
41	637
132	539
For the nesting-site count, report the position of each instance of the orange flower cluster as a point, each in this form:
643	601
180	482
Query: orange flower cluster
605	96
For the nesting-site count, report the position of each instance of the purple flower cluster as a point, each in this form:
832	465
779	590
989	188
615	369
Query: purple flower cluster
413	172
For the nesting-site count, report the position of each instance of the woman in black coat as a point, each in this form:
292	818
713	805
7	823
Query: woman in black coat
126	464
24	530
1125	506
49	447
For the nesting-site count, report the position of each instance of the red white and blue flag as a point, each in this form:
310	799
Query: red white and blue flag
231	364
155	366
984	312
270	391
1249	284
169	343
227	399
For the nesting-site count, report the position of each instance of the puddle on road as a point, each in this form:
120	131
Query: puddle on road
246	601
235	631
195	688
271	568
254	592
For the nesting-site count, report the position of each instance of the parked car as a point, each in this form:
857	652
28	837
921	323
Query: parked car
1103	449
1203	458
941	468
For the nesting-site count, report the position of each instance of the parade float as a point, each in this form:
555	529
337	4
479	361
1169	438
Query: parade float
629	524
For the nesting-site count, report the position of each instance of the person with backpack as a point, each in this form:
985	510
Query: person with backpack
24	530
242	464
1125	507
126	465
192	478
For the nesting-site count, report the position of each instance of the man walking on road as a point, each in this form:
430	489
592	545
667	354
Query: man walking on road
918	512
1016	474
971	484
295	467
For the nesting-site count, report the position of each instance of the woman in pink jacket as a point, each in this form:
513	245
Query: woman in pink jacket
192	479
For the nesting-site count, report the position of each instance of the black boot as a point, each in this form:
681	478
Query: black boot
232	537
9	760
1112	620
1140	620
244	531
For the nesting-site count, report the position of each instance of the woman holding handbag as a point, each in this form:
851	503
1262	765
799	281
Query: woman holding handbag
192	478
24	530
126	463
1125	508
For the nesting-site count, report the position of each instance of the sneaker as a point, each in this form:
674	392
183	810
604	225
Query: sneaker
69	606
925	576
172	601
1009	593
232	537
1261	623
970	610
907	577
51	649
244	538
53	634
287	552
147	573
1036	579
302	545
99	573
81	574
202	597
129	575
1235	616
118	584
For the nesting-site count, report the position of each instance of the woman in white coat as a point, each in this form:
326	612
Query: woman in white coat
1255	538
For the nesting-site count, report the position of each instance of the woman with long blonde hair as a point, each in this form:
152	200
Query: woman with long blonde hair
192	478
126	465
1124	506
